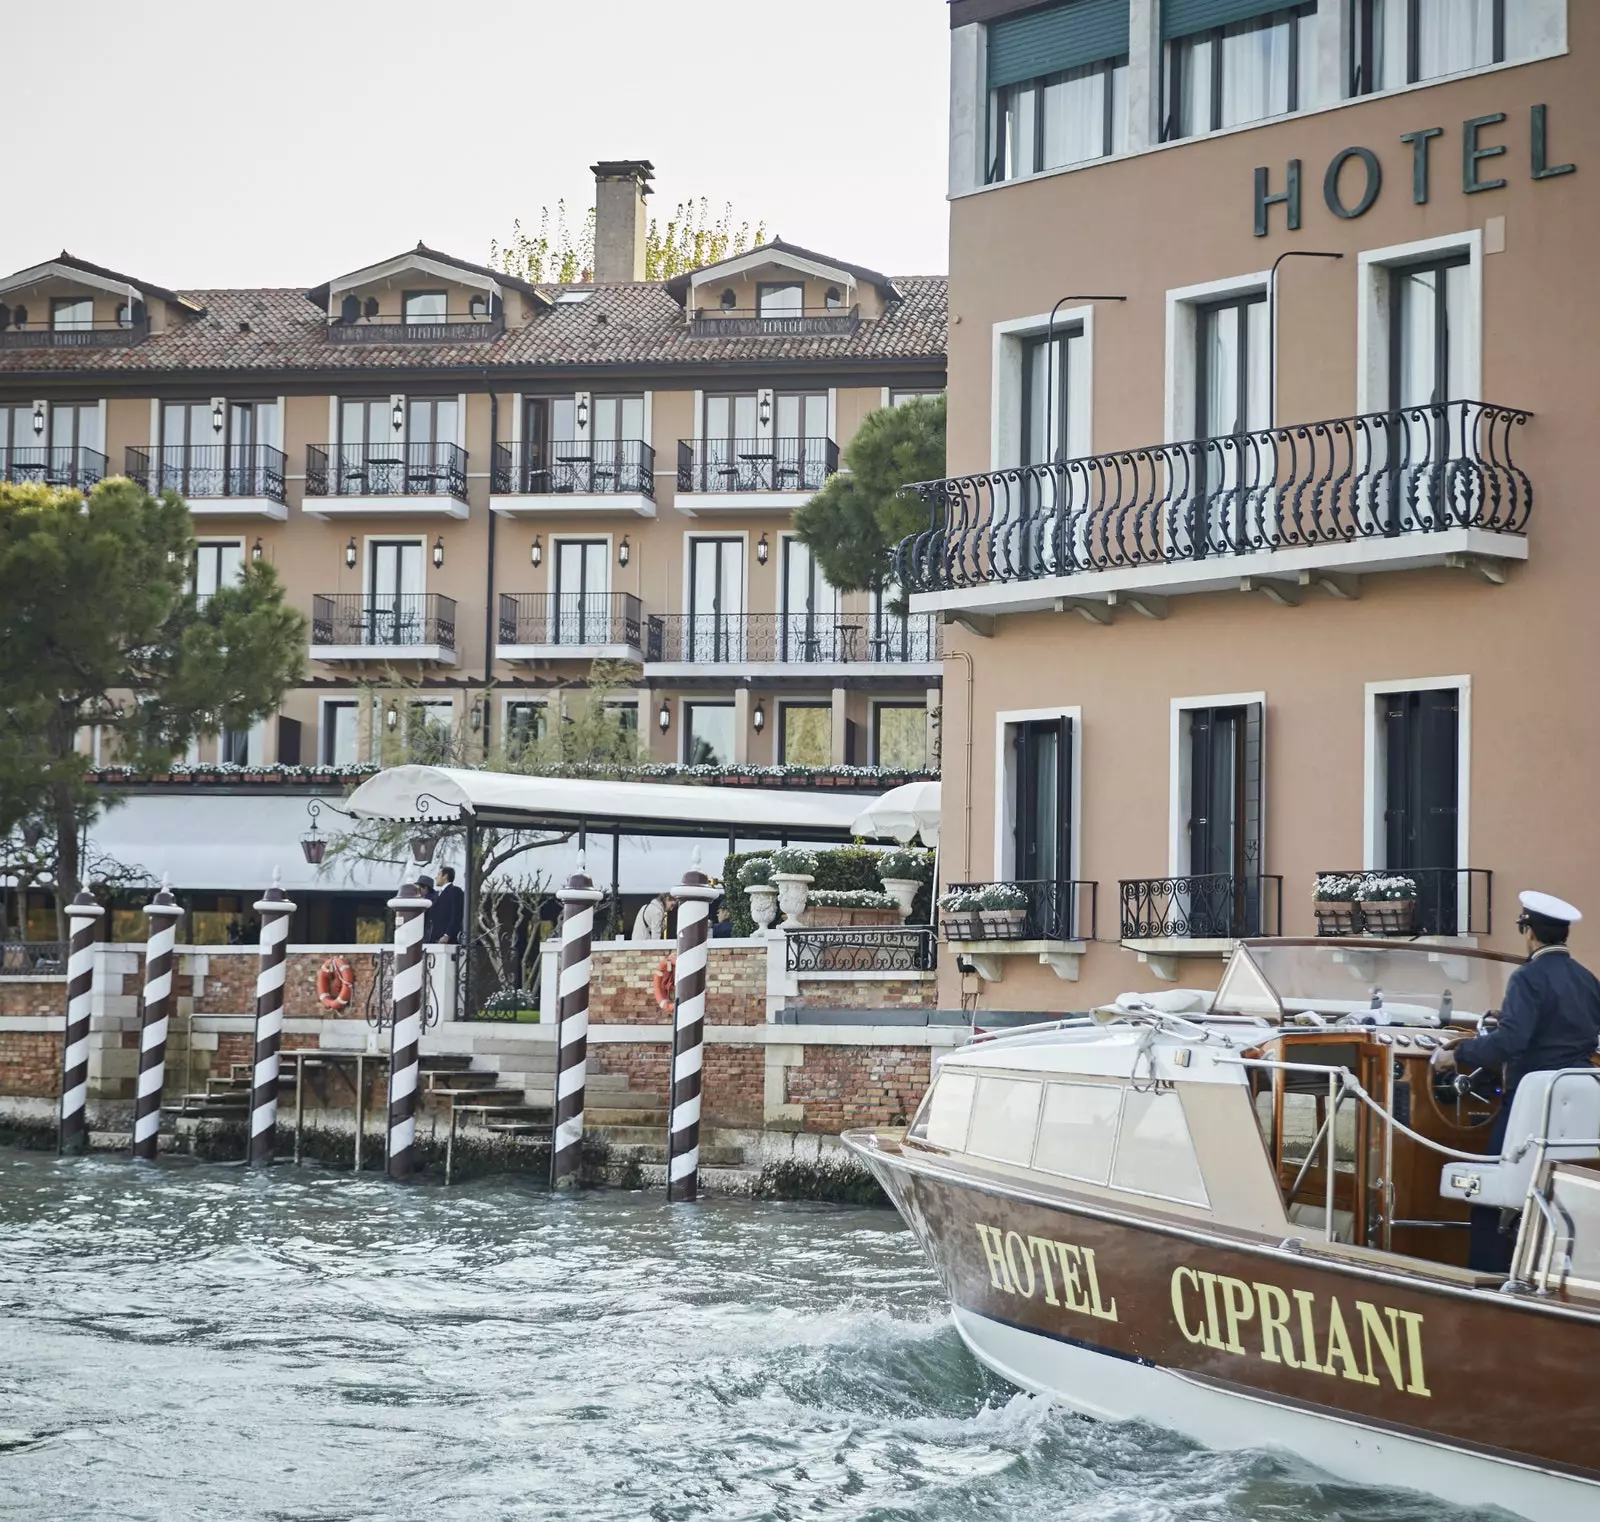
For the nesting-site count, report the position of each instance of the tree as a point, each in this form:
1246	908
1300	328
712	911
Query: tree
688	240
99	630
852	525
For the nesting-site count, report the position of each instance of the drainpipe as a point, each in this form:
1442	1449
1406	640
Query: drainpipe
966	828
488	595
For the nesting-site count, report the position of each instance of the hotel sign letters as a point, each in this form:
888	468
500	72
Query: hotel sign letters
1354	176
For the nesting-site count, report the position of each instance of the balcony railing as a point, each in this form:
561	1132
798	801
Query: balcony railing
1449	901
755	465
21	959
578	618
52	466
386	470
1059	909
794	638
99	336
453	328
576	468
384	620
210	470
1417	470
746	322
1211	906
913	948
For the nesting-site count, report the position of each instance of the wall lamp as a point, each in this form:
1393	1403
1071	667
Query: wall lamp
350	553
765	409
759	717
438	553
583	413
38	418
761	550
217	418
624	551
392	718
475	715
536	554
664	718
397	416
256	550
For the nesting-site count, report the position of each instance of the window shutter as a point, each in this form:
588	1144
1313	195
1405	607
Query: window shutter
1254	777
1182	18
1057	37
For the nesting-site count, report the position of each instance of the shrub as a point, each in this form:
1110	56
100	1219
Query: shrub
754	871
795	859
902	863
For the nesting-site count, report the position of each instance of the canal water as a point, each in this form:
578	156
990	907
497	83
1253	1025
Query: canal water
182	1342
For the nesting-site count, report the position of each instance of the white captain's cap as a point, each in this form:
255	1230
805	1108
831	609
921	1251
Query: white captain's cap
1551	907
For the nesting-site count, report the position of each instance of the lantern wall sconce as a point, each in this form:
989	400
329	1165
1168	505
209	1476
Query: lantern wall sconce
475	715
759	717
38	418
218	415
536	554
664	718
256	550
624	551
761	550
397	414
583	413
350	554
438	553
765	409
392	718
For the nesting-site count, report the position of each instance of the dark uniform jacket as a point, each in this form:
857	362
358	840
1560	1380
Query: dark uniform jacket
1551	1019
446	915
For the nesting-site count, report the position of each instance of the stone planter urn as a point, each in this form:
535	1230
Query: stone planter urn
763	904
903	890
793	890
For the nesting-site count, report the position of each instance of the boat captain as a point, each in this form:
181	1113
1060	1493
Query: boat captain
1550	1020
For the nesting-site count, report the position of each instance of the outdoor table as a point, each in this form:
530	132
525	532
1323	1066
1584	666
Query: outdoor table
758	458
847	640
314	1056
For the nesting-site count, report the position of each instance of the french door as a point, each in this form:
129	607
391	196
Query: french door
583	588
430	442
1048	512
394	592
716	600
1225	794
799	441
371	453
1042	830
1428	357
810	630
1422	804
1233	500
730	444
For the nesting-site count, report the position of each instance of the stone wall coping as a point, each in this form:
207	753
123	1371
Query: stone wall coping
41	1025
367	949
865	977
789	1035
15	978
718	943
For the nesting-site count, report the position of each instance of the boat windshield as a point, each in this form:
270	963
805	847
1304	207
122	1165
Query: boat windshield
1411	984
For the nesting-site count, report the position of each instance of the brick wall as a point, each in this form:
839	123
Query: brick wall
230	985
885	993
647	1065
845	1086
734	1085
30	1064
28	996
619	988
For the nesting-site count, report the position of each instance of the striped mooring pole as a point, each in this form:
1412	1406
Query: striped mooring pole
163	915
694	896
275	911
405	1035
83	912
578	899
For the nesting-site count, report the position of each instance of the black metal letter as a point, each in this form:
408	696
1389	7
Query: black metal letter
1543	169
1330	183
1289	198
1472	154
1419	169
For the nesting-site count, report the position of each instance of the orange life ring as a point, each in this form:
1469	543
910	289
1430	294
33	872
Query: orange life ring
336	983
664	984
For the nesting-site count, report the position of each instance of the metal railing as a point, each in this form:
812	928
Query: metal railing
1449	901
386	470
1415	470
96	336
791	638
210	470
52	465
20	959
576	618
406	618
575	467
1057	909
1210	906
884	949
755	465
453	328
747	322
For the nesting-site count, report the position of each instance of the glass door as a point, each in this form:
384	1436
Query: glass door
1232	502
811	629
430	440
1428	372
371	460
395	592
716	600
1222	896
615	434
730	445
799	442
1042	833
583	587
1422	799
1048	512
72	430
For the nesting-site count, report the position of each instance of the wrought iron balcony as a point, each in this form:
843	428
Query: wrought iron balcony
357	620
52	466
210	470
755	465
886	949
1210	906
40	335
579	467
452	328
577	619
386	470
1449	901
1058	909
791	638
1386	475
746	322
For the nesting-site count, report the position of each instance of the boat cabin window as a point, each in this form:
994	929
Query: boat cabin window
1078	1130
1576	1195
949	1110
1004	1118
1154	1152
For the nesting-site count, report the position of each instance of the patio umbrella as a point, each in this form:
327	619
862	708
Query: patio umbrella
902	814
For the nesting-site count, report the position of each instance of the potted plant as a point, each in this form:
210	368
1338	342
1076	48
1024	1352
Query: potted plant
827	907
1388	903
755	877
793	872
902	874
1003	908
1334	903
960	909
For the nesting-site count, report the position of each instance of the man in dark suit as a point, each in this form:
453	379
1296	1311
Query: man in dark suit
447	918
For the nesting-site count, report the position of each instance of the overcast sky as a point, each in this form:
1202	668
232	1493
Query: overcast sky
192	143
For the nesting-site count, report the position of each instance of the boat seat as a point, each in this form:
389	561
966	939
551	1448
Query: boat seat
1574	1095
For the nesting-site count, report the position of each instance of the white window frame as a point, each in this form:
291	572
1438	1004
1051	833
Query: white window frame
1005	786
369	540
1005	406
574	537
1373	317
688	562
324	731
1375	763
687	700
1179	781
1183	346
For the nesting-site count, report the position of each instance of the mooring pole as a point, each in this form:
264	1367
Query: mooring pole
578	899
405	1035
162	914
74	1137
694	897
275	911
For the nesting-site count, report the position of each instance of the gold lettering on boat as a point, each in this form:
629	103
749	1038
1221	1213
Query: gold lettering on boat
1059	1273
1375	1345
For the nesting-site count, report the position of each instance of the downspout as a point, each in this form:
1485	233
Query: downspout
966	802
488	594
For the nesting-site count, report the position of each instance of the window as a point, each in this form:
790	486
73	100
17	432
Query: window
527	723
708	734
799	445
1429	352
1232	369
626	713
394	614
71	312
1227	75
200	460
75	427
1077	1130
1220	803
583	591
1154	1152
423	306
716	600
1401	42
1052	374
900	736
810	628
900	398
430	732
949	1112
1418	781
1005	1114
233	747
805	734
339	733
217	563
780	300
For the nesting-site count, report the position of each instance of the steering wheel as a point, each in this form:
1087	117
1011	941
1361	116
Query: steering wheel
1465	1092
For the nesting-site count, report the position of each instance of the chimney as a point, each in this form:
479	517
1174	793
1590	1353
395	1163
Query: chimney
620	186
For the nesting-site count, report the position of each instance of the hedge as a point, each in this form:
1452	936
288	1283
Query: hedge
838	869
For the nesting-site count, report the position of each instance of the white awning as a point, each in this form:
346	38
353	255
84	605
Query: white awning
902	814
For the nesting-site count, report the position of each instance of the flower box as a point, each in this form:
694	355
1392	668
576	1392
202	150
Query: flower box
1388	917
1003	924
962	926
829	917
1337	916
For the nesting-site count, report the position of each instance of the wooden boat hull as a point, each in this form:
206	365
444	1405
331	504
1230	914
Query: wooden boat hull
1381	1377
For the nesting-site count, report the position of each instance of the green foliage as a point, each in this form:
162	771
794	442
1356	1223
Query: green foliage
584	731
853	524
754	871
905	864
845	869
796	860
850	898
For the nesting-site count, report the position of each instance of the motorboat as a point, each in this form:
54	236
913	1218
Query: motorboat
1242	1215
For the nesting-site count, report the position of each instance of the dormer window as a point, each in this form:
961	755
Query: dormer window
729	300
478	307
71	313
834	300
422	307
785	300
